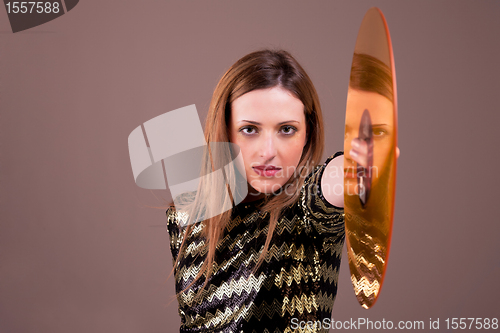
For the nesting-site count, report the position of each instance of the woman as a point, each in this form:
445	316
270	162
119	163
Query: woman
270	264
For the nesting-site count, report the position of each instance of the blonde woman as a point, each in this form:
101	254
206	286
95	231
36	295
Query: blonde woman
271	263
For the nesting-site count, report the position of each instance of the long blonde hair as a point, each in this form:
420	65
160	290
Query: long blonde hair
257	70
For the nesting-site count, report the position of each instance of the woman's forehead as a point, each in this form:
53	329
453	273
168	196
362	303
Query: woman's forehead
380	107
267	104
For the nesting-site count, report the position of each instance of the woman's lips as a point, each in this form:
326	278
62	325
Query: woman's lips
266	171
350	173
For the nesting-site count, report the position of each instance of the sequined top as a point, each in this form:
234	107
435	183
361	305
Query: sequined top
296	283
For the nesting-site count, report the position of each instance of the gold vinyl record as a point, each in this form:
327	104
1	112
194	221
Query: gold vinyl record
369	190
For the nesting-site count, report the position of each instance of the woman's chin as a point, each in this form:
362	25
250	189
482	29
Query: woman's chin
268	188
351	187
260	191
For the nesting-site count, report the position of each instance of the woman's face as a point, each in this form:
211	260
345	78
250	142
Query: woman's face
382	118
269	126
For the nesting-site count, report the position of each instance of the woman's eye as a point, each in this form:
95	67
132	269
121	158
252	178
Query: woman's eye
288	130
248	130
379	132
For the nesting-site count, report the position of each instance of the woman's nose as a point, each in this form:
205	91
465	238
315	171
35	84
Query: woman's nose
347	156
268	149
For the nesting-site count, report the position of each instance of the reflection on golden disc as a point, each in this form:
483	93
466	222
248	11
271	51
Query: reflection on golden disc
368	221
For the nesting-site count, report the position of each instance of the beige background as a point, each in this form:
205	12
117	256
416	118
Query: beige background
82	251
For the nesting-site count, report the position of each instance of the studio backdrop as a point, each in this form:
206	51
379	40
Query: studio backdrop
84	249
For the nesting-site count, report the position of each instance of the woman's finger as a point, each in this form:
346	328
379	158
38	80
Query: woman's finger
360	146
358	157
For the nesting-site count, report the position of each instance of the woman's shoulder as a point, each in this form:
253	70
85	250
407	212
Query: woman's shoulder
177	221
179	218
316	208
319	169
313	179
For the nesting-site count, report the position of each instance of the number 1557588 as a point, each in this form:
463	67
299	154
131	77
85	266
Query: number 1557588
32	7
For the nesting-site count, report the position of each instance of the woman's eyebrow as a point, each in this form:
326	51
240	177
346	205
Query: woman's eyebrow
257	123
347	127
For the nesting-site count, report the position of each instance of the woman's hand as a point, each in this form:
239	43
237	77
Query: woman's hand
332	182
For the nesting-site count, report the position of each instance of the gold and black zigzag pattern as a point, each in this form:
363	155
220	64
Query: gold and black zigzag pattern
300	274
298	278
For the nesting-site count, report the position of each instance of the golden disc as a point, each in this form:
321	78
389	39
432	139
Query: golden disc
369	192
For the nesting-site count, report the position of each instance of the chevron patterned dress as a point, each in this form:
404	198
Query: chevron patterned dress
296	283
